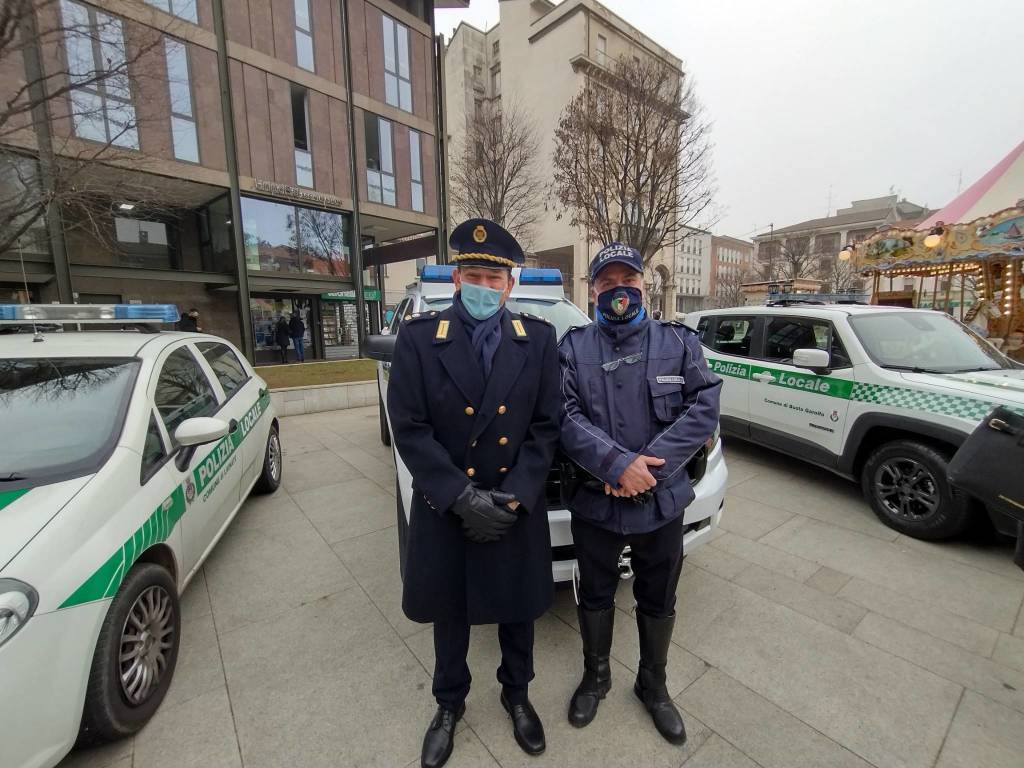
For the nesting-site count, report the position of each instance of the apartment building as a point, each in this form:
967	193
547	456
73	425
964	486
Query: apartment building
693	270
732	263
824	238
256	153
539	56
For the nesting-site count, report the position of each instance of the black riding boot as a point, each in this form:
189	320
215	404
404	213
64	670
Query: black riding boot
596	628
655	636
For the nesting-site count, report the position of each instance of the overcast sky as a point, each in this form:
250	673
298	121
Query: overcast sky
856	95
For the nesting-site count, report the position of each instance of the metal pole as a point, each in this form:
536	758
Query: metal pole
441	149
231	150
356	254
771	249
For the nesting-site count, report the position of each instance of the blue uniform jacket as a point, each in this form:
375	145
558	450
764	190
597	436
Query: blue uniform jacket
452	427
665	405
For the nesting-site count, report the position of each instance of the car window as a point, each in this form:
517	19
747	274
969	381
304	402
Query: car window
785	335
400	312
153	453
733	336
702	328
183	391
226	366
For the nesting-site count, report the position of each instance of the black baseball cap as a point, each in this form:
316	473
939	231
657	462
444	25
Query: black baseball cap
616	252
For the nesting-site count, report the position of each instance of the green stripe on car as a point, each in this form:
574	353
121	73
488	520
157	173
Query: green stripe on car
969	408
106	580
9	497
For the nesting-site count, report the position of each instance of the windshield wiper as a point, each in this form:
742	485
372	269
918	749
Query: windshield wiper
913	369
11	477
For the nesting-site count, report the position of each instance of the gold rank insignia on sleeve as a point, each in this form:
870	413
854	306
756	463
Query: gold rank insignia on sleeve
442	330
517	326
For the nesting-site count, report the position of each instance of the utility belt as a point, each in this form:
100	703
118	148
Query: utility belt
573	477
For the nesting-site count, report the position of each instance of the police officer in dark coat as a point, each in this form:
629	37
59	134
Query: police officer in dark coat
473	401
638	401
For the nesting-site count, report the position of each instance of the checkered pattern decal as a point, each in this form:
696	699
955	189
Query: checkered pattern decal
921	400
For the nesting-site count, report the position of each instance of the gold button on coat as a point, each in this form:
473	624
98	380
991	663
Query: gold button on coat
503	441
473	444
470	471
503	470
469	410
502	409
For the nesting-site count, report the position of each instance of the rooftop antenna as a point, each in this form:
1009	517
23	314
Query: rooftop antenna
959	180
828	210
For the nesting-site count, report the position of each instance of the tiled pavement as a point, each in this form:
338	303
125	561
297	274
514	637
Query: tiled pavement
810	635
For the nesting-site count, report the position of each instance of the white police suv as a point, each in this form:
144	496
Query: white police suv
124	455
884	395
539	292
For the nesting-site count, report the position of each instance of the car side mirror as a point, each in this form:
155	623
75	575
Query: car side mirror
381	347
200	431
817	360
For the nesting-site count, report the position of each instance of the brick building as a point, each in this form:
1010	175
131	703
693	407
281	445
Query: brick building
241	153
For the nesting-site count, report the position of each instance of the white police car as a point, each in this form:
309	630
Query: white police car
884	395
124	456
539	292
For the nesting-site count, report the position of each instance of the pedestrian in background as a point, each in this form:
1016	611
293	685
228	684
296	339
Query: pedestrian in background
189	322
473	401
282	337
638	402
297	330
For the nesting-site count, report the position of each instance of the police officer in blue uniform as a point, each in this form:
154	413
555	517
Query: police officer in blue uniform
473	401
638	401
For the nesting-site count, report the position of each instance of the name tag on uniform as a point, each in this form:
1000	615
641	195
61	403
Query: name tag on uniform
671	379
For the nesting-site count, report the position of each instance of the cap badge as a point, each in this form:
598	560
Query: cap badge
479	233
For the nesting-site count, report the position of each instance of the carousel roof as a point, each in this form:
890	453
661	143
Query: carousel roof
1000	188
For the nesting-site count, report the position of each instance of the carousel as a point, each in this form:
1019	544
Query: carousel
971	254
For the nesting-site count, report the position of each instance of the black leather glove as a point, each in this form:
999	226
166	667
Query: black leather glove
482	520
502	501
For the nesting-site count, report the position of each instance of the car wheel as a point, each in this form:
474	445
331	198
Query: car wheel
385	433
273	464
403	528
907	485
135	656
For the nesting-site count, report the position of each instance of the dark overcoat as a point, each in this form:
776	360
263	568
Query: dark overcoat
451	427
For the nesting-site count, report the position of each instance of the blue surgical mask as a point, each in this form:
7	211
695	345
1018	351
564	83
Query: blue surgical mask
622	304
480	301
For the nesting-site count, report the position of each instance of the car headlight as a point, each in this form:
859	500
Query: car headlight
18	602
713	440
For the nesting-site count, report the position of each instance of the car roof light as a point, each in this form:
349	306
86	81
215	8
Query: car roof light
538	276
88	314
437	273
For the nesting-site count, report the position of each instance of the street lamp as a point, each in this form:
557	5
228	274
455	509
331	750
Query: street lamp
847	253
934	237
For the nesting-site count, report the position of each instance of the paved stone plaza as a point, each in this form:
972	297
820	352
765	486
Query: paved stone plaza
809	635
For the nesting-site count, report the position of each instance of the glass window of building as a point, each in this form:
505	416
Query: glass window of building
101	94
300	130
280	237
144	243
397	82
183	9
303	36
380	166
179	85
602	49
496	81
495	47
417	171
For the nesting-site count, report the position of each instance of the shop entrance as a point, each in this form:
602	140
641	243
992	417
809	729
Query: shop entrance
268	312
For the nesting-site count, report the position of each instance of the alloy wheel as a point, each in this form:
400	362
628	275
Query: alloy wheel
907	489
146	640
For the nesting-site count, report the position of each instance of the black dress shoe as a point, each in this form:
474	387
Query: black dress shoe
440	737
526	726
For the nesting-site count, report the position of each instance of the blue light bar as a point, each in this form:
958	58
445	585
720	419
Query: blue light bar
88	314
536	276
437	273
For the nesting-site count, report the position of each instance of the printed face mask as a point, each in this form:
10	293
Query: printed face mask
480	301
621	304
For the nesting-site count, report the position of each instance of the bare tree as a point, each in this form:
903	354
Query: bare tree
632	157
495	171
729	292
73	66
839	276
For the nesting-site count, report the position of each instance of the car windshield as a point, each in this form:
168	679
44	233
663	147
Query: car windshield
925	342
560	313
72	408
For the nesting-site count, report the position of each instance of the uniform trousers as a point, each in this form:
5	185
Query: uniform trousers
657	558
451	673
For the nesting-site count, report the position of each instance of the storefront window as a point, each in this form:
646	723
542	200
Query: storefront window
289	238
266	313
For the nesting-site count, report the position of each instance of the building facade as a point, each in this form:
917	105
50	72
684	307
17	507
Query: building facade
539	57
732	264
693	271
811	244
248	155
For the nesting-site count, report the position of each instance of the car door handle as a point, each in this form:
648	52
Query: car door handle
764	378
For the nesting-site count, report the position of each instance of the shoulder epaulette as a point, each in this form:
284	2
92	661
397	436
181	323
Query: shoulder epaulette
677	324
419	316
536	318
